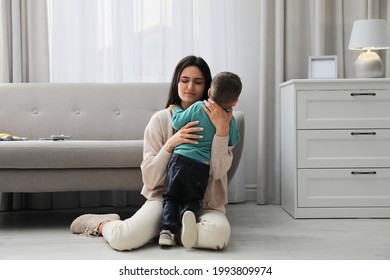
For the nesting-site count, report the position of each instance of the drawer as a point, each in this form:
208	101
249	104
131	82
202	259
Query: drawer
343	109
344	188
343	148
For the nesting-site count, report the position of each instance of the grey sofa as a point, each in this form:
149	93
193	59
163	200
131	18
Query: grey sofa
106	123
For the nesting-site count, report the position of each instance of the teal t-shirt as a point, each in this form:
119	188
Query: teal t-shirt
201	151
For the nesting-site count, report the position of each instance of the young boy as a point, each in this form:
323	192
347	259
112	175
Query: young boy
188	168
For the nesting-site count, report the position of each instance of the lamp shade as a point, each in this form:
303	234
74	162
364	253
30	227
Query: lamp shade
369	34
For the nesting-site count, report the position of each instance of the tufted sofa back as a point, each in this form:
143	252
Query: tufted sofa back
116	111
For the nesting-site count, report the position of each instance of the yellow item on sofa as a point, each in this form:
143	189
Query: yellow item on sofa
9	137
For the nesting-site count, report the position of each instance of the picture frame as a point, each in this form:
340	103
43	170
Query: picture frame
323	67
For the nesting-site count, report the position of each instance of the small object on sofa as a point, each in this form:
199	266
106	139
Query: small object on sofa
8	137
57	137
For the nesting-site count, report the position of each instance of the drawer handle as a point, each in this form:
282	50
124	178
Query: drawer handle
363	94
363	133
363	172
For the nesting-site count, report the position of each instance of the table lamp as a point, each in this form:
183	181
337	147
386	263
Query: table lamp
368	35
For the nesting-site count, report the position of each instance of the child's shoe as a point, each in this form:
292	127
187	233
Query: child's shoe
189	231
167	238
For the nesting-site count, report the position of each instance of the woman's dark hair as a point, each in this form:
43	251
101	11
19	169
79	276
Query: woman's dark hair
173	96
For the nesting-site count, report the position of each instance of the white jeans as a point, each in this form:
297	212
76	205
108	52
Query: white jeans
213	228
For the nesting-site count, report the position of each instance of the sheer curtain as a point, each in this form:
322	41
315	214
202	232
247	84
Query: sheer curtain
138	40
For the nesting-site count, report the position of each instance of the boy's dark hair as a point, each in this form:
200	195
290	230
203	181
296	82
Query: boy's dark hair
191	60
225	88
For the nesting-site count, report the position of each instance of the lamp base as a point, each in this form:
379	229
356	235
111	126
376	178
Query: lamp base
369	65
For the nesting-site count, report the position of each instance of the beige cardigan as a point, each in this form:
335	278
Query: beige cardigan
155	160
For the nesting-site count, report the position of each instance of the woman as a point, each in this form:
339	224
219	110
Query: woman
190	83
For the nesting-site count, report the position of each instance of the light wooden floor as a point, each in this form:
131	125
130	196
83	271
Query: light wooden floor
258	232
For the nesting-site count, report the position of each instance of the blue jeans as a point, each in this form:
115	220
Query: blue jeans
185	185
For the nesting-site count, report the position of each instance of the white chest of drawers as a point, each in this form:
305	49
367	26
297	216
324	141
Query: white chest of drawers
335	148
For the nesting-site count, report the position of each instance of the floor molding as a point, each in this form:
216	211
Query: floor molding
251	192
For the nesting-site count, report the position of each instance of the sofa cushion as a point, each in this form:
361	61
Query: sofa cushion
86	111
70	154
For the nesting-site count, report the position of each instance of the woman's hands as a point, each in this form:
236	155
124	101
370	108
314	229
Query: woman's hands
218	116
184	135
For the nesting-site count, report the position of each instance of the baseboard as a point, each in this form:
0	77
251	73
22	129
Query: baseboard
251	192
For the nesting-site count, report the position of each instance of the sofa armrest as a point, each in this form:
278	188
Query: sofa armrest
237	149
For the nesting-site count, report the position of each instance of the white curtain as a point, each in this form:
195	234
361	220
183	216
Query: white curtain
138	40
